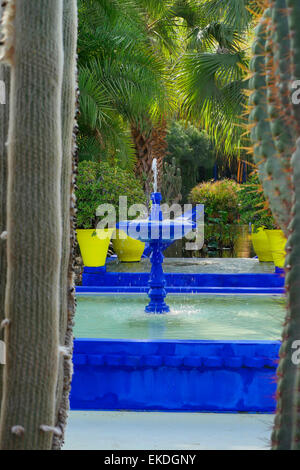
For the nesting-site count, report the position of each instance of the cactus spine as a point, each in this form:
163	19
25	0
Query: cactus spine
275	132
34	226
4	111
67	290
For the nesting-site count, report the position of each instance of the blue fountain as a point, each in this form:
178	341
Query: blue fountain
157	233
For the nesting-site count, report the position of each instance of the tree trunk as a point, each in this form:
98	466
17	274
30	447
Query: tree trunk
34	225
149	146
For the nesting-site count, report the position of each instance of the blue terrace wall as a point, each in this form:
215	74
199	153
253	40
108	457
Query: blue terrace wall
203	376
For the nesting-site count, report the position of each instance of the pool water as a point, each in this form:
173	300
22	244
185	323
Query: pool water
194	317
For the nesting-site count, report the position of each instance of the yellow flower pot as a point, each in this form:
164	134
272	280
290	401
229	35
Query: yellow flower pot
277	241
127	249
94	245
261	245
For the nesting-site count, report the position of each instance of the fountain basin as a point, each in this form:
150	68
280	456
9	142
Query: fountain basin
209	354
151	230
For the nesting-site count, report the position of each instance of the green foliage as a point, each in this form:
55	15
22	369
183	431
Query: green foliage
213	70
221	207
213	88
121	79
192	150
140	60
220	200
171	183
99	183
254	208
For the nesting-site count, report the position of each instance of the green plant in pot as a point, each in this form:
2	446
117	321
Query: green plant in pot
98	183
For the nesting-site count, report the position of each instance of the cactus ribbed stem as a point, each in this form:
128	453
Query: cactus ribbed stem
4	115
34	227
272	176
285	426
294	21
67	290
286	430
282	60
282	65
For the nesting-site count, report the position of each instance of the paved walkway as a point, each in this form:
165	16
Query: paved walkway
196	265
97	430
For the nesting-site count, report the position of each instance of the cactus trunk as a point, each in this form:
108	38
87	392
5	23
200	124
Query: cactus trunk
275	131
67	290
4	114
34	226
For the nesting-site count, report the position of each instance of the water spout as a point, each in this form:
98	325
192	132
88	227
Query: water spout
154	169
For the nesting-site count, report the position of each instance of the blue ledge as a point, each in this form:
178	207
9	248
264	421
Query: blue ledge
248	283
178	375
180	290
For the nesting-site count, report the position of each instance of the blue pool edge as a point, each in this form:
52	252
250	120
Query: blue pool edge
174	375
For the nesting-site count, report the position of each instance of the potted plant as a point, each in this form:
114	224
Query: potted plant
268	241
261	246
127	249
94	246
277	242
99	183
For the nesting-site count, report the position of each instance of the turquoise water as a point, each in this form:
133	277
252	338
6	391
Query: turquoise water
192	317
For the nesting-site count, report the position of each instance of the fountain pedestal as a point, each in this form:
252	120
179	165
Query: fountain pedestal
157	282
157	292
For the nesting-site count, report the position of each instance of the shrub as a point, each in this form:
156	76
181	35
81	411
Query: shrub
254	207
221	207
99	183
220	200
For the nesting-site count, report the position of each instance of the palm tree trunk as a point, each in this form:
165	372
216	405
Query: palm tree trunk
149	146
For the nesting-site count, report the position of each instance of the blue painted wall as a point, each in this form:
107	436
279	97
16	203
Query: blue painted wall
215	376
93	281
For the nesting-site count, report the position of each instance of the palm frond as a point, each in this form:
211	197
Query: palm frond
211	87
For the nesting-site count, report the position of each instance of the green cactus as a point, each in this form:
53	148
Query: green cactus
67	289
274	130
39	134
4	109
171	183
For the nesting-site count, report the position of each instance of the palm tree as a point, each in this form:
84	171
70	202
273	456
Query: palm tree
120	79
126	50
213	70
143	60
205	48
163	21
